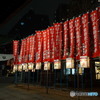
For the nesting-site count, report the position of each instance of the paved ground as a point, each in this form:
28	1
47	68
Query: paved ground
9	91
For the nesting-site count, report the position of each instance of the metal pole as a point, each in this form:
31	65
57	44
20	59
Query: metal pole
61	78
54	78
41	77
28	78
77	79
66	76
22	75
47	83
17	77
33	77
82	81
91	82
37	75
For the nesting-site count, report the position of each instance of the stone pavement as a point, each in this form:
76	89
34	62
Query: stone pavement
11	92
8	91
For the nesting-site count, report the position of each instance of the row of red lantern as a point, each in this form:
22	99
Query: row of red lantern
74	38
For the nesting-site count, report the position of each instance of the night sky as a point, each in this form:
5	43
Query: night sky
47	7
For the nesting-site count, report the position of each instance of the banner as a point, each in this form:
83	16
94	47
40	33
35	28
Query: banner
58	41
66	40
72	38
27	49
52	45
38	46
85	35
20	58
48	45
96	37
32	48
78	32
15	51
44	45
24	51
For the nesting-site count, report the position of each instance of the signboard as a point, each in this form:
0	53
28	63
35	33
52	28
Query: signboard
5	57
57	64
69	63
46	65
84	62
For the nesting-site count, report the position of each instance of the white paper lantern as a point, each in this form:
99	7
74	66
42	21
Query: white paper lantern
84	62
69	63
57	64
46	65
30	66
38	66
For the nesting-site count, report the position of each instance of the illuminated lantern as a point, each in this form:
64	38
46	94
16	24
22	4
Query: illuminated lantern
57	64
30	66
46	65
69	63
84	62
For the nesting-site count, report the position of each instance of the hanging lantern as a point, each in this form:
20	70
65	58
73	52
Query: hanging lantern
46	65
84	62
57	64
15	68
69	63
30	66
38	65
25	66
20	67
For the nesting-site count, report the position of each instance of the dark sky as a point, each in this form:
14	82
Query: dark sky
47	7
